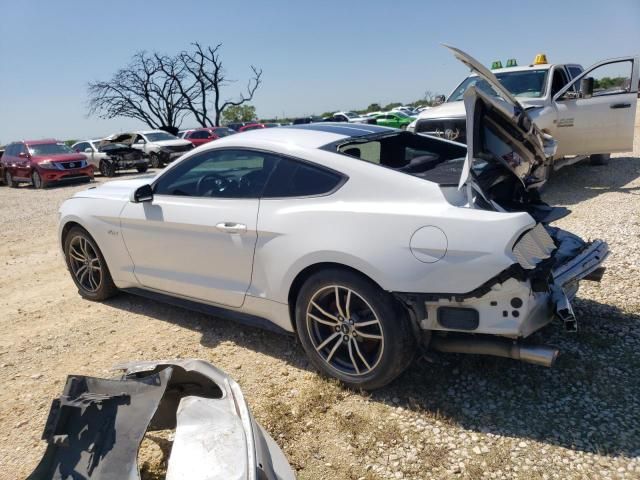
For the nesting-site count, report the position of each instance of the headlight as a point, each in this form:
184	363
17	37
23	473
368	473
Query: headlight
49	165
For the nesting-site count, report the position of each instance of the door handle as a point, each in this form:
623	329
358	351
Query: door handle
620	105
231	227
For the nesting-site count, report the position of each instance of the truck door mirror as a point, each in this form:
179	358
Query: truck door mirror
438	100
586	87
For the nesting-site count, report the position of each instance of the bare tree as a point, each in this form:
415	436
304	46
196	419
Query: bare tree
206	82
143	91
160	90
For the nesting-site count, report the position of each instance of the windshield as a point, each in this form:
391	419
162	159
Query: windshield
159	136
401	114
351	114
50	149
525	83
224	132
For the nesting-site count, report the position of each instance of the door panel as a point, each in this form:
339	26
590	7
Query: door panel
177	247
603	123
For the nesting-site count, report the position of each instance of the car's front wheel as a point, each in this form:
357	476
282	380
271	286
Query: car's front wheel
87	266
353	330
155	160
36	180
142	168
107	169
8	179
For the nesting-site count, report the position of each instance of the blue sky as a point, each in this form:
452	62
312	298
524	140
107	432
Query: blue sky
316	56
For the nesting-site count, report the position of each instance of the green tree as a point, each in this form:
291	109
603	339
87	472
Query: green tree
374	107
392	105
239	113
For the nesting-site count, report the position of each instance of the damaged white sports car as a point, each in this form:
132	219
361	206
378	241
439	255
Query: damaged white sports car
367	242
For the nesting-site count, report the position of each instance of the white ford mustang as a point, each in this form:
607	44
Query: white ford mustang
366	242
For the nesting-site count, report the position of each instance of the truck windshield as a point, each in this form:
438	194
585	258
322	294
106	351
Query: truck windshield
525	83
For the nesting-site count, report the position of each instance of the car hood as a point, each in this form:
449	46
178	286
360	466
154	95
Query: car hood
117	189
444	110
172	143
71	157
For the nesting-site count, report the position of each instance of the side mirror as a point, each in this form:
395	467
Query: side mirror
140	141
22	155
88	150
439	99
586	87
143	193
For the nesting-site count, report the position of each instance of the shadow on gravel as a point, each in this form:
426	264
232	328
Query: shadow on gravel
573	184
589	401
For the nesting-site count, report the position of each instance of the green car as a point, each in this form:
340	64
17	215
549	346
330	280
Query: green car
393	120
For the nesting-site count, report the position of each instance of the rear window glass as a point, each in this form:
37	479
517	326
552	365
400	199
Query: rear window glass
298	179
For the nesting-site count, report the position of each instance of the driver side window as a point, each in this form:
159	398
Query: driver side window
219	174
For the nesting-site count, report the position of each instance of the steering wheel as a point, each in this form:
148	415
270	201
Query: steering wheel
219	183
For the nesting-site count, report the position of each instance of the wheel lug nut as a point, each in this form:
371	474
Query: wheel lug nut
345	338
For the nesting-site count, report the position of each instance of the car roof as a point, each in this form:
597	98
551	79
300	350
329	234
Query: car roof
312	135
39	142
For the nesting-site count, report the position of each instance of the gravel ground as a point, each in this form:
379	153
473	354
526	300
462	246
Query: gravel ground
449	416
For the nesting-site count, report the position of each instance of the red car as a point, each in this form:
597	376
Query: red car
200	136
252	126
43	162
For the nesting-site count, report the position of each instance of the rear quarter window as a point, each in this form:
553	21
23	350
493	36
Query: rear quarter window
293	178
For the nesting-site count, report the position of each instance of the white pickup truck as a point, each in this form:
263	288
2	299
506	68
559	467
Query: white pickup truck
590	113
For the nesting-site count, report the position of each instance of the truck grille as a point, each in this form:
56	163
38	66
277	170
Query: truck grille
533	247
451	129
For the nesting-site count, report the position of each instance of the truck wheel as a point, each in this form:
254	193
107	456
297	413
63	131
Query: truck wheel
155	160
8	179
36	180
107	169
352	330
599	159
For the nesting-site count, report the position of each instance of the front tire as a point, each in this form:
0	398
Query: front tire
154	158
8	179
353	330
87	266
37	181
599	159
142	168
107	169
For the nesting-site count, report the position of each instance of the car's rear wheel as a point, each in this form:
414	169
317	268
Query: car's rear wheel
142	168
37	181
87	266
107	169
353	330
154	158
599	159
8	179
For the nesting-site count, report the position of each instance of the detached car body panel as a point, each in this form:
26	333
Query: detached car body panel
95	428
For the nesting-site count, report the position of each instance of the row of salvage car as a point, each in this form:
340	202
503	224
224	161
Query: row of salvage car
366	243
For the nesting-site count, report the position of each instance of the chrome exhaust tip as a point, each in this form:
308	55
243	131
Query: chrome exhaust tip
538	355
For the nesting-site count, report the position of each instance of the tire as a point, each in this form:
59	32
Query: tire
362	357
155	161
107	169
80	253
37	181
599	159
142	168
8	179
